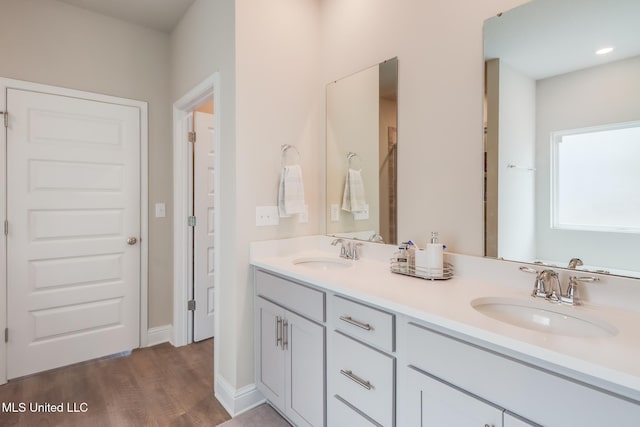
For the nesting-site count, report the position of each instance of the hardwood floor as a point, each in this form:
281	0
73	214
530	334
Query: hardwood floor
155	386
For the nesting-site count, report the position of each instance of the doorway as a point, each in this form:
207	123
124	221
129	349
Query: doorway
202	193
196	197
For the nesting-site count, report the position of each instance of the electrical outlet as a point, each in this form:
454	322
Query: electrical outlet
267	215
303	217
362	215
335	212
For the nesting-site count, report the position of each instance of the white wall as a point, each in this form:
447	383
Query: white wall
278	102
440	84
516	188
560	106
49	42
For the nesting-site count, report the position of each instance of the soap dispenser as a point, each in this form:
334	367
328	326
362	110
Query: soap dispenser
402	258
435	257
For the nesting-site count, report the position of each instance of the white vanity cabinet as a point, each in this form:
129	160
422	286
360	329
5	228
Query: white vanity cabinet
362	365
464	372
290	348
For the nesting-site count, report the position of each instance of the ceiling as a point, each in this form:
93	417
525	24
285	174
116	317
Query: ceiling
544	38
161	15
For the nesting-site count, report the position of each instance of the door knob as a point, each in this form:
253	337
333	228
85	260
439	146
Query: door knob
132	240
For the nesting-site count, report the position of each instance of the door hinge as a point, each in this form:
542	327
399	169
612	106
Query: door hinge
191	305
6	118
6	334
191	221
6	227
192	136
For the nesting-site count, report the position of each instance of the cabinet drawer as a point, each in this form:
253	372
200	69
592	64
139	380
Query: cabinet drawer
298	298
513	385
365	378
365	323
342	415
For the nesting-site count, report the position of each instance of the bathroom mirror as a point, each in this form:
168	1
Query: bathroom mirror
562	134
361	132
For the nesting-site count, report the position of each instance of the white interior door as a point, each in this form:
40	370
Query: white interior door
73	203
203	235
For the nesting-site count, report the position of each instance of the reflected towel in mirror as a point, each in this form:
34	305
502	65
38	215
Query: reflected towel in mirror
290	191
353	198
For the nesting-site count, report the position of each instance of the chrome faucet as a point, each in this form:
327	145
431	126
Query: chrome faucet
575	262
348	249
546	284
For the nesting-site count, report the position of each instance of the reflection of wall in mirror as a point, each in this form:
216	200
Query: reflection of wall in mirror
352	126
510	197
594	96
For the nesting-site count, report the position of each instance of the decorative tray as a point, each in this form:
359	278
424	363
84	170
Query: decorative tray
409	270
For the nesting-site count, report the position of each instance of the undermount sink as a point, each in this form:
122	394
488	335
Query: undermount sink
543	316
322	263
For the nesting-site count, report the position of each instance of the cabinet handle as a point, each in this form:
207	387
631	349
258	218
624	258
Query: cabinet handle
356	379
348	319
278	331
285	339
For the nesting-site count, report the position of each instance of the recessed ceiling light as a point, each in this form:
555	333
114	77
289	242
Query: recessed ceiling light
604	50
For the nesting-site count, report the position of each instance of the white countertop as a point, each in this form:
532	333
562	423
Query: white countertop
612	363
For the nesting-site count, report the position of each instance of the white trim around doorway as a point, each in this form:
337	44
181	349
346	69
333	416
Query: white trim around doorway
208	88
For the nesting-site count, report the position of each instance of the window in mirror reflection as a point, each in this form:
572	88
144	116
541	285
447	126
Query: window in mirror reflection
594	172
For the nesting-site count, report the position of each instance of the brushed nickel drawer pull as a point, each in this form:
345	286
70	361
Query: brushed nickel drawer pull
285	334
348	319
356	379
278	331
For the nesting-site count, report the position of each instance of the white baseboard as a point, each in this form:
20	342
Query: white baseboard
158	335
237	401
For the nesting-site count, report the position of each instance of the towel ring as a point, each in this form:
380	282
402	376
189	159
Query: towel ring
283	153
350	156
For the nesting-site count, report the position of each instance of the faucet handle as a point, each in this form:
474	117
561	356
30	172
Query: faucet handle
571	297
336	241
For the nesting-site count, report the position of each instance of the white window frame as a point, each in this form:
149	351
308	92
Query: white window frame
555	139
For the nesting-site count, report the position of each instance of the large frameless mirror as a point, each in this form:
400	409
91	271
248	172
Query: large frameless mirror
361	131
562	134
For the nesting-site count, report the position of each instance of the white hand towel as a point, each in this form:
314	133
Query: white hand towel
353	198
290	191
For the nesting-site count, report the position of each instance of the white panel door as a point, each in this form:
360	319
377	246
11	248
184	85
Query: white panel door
203	236
73	201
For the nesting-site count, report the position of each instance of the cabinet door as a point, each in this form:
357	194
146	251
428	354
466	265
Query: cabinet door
434	403
270	355
513	421
305	371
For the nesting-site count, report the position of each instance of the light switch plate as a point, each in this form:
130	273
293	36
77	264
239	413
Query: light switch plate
161	210
267	215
